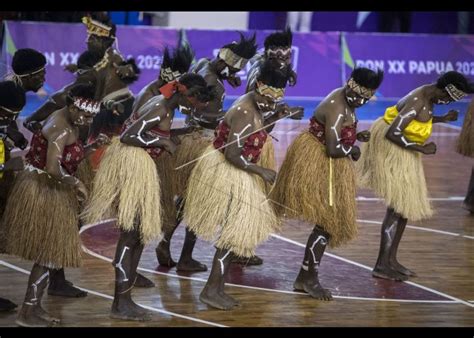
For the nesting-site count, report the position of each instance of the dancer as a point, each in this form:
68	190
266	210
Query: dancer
316	182
465	147
391	163
278	53
127	183
225	197
42	210
12	101
231	59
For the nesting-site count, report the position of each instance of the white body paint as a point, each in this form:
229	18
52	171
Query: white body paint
144	123
119	264
339	145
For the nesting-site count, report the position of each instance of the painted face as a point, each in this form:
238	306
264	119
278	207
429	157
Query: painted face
80	117
279	57
188	104
273	93
265	103
34	82
354	99
226	71
96	43
445	98
195	103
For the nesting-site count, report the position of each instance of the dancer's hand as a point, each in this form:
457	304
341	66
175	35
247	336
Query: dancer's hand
363	136
268	175
125	71
296	113
292	79
451	116
14	164
101	140
33	126
355	153
22	143
429	148
234	81
117	108
81	190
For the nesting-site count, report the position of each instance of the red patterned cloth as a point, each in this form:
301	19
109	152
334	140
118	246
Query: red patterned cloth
96	156
252	147
37	155
154	132
348	134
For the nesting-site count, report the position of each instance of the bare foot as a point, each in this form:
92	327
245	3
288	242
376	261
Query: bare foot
307	283
401	269
163	255
27	317
128	310
388	273
143	282
254	260
229	298
214	299
190	266
65	289
468	207
40	312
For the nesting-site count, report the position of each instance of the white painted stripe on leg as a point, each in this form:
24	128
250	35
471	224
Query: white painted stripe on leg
99	294
369	268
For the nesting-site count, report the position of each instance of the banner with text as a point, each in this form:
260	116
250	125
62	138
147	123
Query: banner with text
316	56
408	61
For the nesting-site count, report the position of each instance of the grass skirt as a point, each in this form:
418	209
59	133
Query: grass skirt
164	167
267	160
41	220
127	187
192	146
394	174
465	142
302	189
228	205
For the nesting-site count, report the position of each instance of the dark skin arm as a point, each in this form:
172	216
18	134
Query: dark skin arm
395	132
141	99
183	131
293	77
333	126
450	116
58	137
14	164
16	136
136	135
214	108
283	111
243	125
100	141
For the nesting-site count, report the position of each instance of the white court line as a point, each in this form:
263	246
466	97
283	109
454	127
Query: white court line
451	126
107	259
99	294
422	229
297	132
450	198
369	268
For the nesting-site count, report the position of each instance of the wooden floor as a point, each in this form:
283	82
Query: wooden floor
440	250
